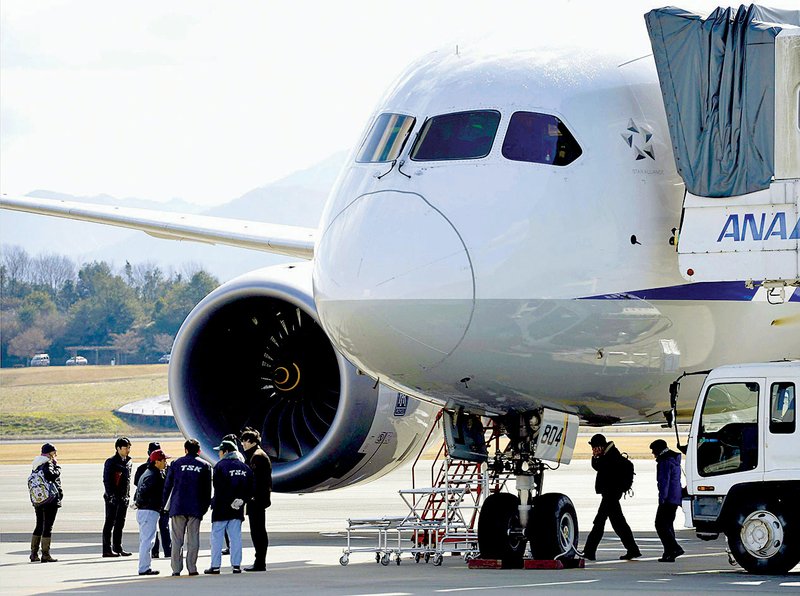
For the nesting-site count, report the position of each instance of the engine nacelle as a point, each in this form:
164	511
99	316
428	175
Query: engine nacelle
252	353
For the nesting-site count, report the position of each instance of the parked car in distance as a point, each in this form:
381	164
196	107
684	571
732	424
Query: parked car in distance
40	360
76	361
164	359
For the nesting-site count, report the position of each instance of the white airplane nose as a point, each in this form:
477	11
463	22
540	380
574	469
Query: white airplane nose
393	283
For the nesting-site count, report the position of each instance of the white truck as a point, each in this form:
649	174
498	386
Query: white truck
743	463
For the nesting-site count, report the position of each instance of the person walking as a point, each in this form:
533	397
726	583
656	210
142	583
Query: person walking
46	513
668	479
117	486
235	440
261	465
233	487
609	464
163	521
148	499
187	496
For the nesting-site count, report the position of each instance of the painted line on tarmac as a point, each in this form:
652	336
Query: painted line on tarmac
384	594
541	585
653	581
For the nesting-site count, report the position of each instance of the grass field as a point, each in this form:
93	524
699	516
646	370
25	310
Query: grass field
53	402
73	401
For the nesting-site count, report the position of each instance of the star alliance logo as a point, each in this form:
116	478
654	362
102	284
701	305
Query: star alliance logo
639	138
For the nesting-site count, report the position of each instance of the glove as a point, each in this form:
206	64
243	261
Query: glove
237	504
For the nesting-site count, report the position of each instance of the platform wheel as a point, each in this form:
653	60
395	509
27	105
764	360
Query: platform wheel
417	557
386	559
377	557
437	560
344	560
427	557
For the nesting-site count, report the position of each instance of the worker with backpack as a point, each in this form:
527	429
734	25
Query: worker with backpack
44	486
614	478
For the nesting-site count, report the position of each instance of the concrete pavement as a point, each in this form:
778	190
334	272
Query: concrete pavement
307	538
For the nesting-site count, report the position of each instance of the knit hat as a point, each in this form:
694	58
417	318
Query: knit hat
153	446
598	440
48	448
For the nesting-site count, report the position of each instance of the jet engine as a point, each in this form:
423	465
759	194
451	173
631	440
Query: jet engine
252	353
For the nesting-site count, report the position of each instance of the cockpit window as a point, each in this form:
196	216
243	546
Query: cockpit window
539	138
386	139
464	135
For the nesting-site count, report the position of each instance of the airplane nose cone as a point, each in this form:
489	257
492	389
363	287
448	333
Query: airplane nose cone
393	284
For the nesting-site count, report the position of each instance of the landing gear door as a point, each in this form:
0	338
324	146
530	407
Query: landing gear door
464	435
557	436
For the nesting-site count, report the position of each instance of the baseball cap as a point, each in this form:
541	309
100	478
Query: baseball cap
226	446
158	455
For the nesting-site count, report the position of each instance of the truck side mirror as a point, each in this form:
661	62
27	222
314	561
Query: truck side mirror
673	394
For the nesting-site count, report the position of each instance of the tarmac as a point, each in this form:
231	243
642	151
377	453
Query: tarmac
307	537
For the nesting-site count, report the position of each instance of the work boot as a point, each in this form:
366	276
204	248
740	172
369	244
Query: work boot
35	541
46	558
630	555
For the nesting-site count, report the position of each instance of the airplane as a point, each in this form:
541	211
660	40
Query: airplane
501	243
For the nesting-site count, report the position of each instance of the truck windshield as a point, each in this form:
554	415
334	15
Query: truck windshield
727	441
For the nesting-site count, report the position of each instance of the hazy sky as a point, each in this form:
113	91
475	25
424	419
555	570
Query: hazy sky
207	100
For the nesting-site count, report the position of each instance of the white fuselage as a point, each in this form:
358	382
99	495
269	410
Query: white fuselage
506	285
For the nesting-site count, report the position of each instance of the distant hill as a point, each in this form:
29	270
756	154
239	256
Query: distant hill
297	199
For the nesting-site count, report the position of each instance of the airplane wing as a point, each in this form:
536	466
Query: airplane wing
293	241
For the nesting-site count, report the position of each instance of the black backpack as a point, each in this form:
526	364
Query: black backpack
626	474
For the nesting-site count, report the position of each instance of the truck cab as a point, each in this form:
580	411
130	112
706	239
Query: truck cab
743	463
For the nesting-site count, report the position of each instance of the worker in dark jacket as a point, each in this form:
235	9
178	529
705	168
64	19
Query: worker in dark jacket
607	461
148	499
117	486
163	521
46	513
187	496
668	478
261	465
233	487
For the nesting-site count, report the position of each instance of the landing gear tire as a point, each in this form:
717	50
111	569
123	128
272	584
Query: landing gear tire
762	538
553	527
499	515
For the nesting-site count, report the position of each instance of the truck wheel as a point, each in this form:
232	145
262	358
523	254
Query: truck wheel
499	515
762	539
553	527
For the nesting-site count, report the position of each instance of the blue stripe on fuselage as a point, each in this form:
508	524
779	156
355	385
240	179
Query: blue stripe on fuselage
707	290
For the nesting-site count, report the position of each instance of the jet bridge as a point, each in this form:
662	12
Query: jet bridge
731	89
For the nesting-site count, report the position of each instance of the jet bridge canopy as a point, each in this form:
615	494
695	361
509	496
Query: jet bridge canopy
718	79
731	89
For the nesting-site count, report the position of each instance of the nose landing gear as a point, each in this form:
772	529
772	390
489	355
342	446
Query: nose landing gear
508	522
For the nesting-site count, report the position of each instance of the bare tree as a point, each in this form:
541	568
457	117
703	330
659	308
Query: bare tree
17	264
28	343
162	342
126	343
191	268
52	270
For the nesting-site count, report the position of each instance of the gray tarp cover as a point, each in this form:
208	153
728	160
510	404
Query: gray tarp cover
717	77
